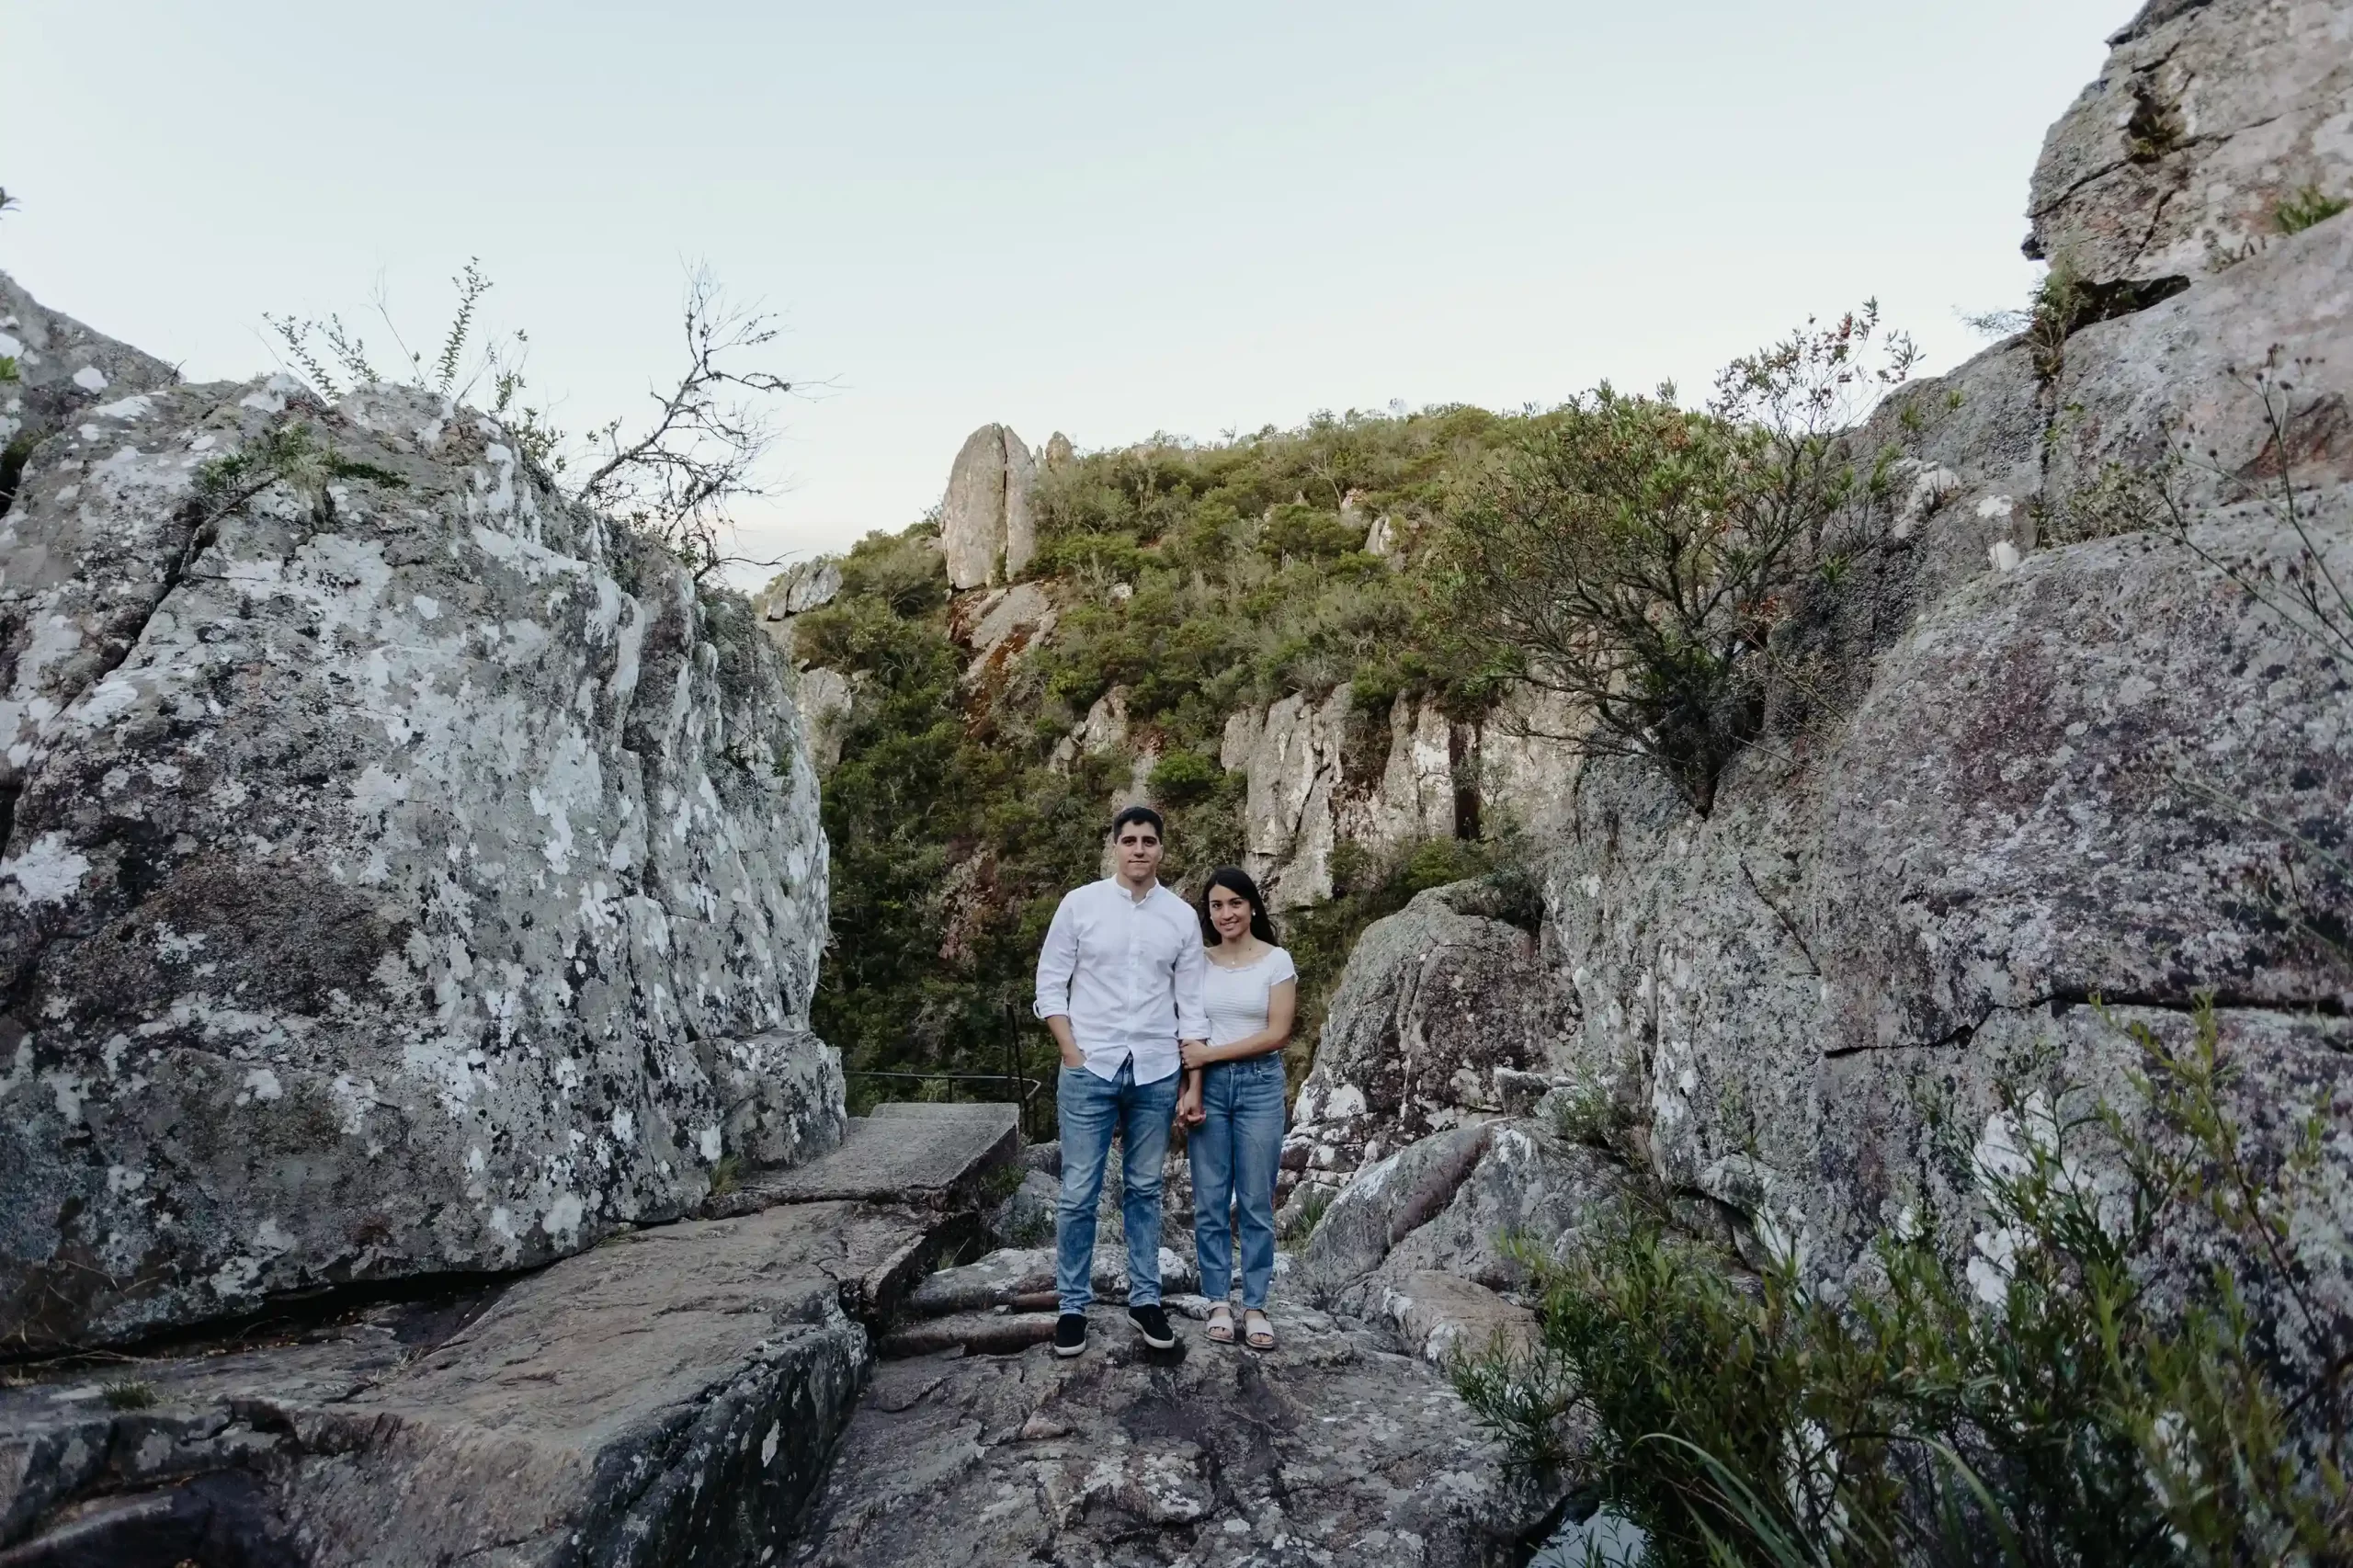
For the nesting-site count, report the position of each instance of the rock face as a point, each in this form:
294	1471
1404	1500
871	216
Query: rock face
986	525
1445	1016
1322	774
62	370
2207	116
404	870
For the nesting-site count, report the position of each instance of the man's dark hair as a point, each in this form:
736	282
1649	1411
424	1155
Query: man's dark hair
1143	814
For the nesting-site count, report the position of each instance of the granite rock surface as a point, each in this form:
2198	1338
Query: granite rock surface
405	871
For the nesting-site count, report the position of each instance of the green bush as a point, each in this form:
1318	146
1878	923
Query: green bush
1183	777
2052	1402
1636	556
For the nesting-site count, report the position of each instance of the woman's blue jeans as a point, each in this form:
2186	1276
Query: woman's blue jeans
1234	1154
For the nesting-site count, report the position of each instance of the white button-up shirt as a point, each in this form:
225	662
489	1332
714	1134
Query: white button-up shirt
1127	972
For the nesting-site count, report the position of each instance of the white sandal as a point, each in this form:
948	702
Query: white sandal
1260	1336
1220	1324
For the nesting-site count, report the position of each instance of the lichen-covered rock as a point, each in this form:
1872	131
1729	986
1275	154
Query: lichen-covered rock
986	527
59	369
1441	1008
2178	391
2075	780
2208	114
404	871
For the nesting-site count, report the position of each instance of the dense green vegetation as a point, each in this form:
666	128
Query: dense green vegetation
1202	579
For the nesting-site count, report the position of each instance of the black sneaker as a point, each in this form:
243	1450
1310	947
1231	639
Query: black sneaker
1151	1321
1070	1334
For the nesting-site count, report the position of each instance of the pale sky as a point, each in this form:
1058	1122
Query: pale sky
1106	220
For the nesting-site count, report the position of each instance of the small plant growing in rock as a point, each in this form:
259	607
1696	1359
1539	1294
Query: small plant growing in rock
672	480
1313	1206
2154	128
2306	207
727	1174
129	1394
1585	1113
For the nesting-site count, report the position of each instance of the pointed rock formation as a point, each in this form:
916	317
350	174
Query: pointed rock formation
986	525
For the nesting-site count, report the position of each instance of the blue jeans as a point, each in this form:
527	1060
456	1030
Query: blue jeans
1235	1154
1091	1110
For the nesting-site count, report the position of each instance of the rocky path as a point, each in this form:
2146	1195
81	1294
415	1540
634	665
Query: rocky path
1336	1447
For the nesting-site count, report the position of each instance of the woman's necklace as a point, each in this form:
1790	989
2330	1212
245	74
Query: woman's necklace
1236	947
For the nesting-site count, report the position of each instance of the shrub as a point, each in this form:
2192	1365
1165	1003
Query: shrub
1183	777
1636	556
2052	1402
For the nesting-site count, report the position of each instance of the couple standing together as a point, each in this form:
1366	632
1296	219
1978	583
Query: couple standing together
1165	1011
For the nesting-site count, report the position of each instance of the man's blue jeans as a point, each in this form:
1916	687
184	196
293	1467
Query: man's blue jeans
1234	1154
1091	1110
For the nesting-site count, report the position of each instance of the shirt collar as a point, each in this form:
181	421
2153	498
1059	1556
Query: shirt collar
1118	890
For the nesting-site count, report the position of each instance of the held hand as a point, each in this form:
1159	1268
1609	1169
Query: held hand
1196	1053
1188	1110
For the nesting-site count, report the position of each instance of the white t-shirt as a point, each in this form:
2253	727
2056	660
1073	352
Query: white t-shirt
1235	999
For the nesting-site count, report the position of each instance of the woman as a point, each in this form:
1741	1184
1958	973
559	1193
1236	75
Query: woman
1233	1099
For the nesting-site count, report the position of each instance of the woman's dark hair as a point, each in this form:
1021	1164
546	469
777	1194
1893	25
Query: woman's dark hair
1236	879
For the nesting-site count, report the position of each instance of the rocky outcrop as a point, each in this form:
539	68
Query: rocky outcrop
986	528
2090	770
671	1398
1444	1016
792	593
2207	117
406	870
58	370
1323	774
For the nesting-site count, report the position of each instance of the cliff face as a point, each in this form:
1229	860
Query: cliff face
405	871
2078	762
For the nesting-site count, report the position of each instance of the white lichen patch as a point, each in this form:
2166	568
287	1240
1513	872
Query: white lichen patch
50	870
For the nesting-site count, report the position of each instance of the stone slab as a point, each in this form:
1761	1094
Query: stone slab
671	1395
928	1155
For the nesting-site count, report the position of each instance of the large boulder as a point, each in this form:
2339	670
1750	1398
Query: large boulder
1446	1017
406	870
2209	114
986	527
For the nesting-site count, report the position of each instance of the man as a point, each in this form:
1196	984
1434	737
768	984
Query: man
1120	987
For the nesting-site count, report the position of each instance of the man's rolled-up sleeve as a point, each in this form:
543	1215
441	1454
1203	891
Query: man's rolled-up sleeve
1057	961
1192	975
